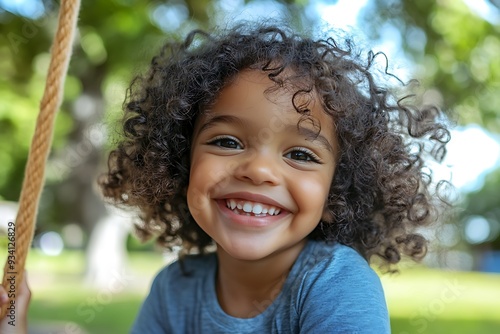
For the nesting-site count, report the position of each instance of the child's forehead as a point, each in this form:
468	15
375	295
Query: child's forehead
254	86
253	97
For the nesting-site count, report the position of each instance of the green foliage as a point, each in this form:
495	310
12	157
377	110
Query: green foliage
18	112
457	51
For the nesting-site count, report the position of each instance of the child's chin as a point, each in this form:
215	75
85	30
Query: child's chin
245	252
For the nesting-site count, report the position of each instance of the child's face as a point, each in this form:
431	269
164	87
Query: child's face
248	157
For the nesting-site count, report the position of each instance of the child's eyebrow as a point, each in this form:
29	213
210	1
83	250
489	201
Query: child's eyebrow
210	122
311	134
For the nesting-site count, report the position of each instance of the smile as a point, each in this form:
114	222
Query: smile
248	208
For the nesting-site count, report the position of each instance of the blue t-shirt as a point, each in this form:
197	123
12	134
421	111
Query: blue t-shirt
330	289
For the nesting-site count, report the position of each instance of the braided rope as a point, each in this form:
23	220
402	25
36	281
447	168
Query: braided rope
40	147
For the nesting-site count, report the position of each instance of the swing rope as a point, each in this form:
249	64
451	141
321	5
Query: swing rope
20	239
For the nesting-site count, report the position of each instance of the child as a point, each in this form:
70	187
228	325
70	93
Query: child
288	156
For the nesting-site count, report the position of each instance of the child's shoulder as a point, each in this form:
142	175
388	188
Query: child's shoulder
334	262
337	288
190	266
334	254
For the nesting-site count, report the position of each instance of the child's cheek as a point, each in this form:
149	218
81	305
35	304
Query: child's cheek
221	177
196	201
209	175
311	194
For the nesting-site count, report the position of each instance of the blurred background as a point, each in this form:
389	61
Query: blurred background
89	275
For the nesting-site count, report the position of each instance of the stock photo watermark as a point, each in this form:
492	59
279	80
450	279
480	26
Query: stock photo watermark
451	292
29	30
12	273
74	155
88	309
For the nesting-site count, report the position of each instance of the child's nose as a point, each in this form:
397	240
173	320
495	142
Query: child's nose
258	168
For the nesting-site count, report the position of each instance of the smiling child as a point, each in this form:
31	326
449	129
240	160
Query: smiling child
281	166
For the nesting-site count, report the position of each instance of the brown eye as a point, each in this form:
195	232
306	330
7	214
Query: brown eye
226	142
298	155
302	155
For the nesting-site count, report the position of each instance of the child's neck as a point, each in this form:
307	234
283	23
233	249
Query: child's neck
246	288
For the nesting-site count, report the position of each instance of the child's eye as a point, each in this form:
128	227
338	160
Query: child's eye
302	155
226	142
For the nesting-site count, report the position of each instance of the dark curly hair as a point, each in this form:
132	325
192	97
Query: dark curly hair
381	191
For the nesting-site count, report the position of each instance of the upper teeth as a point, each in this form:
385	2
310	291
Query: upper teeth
252	207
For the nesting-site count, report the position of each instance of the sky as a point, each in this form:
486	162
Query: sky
28	8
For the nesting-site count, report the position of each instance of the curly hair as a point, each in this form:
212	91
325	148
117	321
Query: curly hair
381	192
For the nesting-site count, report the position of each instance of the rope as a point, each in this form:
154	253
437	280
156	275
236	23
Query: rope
20	239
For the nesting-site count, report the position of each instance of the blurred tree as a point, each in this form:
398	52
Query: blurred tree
458	55
110	33
456	48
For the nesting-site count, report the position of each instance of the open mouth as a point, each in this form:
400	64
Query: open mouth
249	208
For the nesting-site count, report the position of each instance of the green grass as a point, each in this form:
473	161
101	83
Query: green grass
420	300
61	299
423	300
115	316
